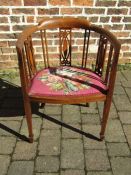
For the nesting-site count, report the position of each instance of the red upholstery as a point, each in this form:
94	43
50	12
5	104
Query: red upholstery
66	81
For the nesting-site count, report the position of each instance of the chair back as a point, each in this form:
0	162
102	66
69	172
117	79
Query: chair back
67	41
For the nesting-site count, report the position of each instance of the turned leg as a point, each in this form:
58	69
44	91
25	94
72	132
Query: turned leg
28	114
106	110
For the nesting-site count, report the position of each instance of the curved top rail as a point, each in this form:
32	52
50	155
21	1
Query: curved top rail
64	23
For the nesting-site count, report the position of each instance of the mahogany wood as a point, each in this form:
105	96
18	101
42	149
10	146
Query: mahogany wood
65	26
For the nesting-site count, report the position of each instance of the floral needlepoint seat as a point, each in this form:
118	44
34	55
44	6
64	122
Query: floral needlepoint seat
66	81
60	43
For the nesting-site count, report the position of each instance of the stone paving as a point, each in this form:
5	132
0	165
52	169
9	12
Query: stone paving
58	150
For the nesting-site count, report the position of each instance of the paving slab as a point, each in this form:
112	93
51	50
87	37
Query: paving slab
91	143
114	132
119	90
118	149
127	74
51	125
125	117
92	109
37	123
47	164
13	125
4	164
21	167
71	114
122	102
46	173
128	91
90	118
52	109
25	151
68	133
121	165
72	172
97	160
49	146
127	131
72	155
113	112
120	77
7	144
99	173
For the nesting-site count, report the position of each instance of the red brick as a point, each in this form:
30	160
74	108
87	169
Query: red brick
50	11
106	3
7	36
4	28
20	27
78	35
83	2
121	34
3	20
8	64
23	11
117	11
93	19
128	27
14	57
14	19
4	11
127	54
104	19
4	57
10	3
127	19
7	50
82	17
3	43
38	19
52	49
125	41
125	48
124	3
114	27
59	2
71	11
94	11
116	19
38	56
11	43
79	41
34	2
30	19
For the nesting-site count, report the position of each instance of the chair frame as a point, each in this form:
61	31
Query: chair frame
24	48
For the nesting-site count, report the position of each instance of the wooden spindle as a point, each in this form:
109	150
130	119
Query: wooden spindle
108	63
43	48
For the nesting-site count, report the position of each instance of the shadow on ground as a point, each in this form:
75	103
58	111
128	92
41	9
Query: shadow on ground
11	105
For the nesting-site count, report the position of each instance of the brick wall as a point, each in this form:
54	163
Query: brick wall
15	15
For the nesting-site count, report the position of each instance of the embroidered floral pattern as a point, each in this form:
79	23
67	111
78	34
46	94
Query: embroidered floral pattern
65	79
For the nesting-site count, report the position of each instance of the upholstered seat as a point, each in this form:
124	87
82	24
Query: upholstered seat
66	81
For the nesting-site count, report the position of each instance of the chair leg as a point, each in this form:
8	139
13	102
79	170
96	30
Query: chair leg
106	110
28	114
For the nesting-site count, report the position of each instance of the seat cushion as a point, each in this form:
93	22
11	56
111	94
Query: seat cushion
66	80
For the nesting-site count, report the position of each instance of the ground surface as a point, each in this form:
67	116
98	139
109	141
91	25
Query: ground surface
58	150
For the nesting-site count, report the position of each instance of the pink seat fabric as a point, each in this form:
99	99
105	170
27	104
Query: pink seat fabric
65	80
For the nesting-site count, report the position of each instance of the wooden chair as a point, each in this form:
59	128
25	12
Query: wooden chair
65	82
